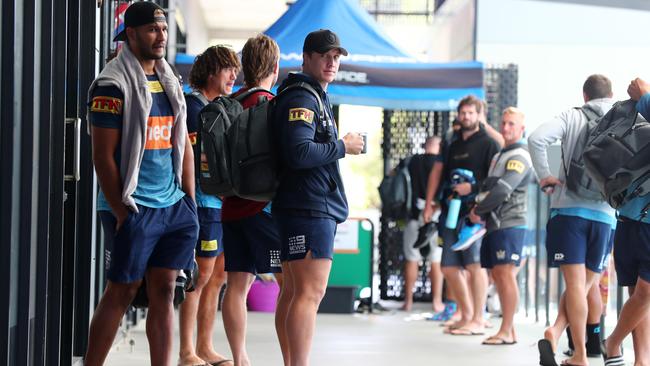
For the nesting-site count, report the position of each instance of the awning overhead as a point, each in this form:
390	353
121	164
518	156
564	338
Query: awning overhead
376	72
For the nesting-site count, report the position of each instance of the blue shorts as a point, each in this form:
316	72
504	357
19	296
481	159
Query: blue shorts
503	247
632	251
451	258
210	243
252	244
154	237
301	234
574	240
610	248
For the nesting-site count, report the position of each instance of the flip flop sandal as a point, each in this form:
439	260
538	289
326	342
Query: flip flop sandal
217	363
448	330
546	355
449	323
466	332
499	342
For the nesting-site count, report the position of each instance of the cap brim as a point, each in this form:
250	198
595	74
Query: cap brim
344	52
120	36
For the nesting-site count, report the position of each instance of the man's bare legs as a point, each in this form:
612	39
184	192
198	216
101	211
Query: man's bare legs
635	319
594	304
106	320
504	276
310	282
458	285
573	310
235	314
187	312
478	285
207	312
160	314
435	276
285	280
410	275
641	341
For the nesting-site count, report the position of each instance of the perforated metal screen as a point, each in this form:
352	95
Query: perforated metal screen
404	135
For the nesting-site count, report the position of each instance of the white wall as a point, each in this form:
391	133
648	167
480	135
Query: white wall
196	27
453	31
558	45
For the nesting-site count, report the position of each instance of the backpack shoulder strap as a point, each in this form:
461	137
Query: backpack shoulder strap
589	112
312	91
198	95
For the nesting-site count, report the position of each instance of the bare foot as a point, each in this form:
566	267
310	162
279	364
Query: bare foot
611	351
549	335
453	320
455	325
211	357
471	328
573	361
190	360
406	306
475	327
502	337
438	307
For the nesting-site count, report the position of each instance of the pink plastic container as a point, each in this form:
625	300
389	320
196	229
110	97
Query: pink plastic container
263	296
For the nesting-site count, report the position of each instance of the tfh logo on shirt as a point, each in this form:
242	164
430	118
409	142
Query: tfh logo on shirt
159	133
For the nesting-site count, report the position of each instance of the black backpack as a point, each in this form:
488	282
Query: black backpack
211	152
577	179
618	155
396	193
254	169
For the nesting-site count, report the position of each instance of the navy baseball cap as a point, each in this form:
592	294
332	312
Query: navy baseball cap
140	13
322	41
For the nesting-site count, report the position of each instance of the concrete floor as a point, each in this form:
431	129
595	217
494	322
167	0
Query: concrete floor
389	338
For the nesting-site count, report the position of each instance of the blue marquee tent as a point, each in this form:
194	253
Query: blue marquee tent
376	72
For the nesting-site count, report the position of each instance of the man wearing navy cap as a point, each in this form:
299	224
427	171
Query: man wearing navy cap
310	201
144	166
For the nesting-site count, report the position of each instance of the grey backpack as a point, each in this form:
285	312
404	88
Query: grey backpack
618	155
577	179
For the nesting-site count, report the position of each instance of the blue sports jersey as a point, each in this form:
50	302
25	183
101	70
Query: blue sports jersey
194	106
157	186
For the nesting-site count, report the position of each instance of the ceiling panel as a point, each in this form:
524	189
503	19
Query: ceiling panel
243	14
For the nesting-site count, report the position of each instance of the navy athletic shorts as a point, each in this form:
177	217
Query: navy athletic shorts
574	240
632	251
210	243
154	237
301	234
503	247
451	258
609	249
252	244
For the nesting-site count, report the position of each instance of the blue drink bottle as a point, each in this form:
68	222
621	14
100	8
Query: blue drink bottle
452	214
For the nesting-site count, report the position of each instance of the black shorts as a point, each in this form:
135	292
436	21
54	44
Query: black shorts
252	245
